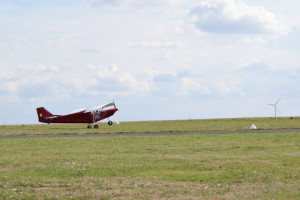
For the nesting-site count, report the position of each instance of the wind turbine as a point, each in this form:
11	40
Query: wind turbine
275	106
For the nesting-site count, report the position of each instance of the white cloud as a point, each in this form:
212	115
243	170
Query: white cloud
234	16
8	86
134	3
254	41
111	80
191	85
159	50
157	53
56	42
218	84
6	74
30	79
155	44
250	64
9	99
39	68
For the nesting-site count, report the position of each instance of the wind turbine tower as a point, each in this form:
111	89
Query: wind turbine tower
275	106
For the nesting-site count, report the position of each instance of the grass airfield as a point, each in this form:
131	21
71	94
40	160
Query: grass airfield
234	124
229	166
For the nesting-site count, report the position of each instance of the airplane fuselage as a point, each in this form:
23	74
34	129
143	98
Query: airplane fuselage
79	117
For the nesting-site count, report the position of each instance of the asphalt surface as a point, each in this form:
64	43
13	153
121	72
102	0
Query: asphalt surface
152	134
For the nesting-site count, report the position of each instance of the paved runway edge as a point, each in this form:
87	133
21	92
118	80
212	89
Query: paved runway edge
152	134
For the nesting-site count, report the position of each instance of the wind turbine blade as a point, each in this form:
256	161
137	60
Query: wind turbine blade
277	101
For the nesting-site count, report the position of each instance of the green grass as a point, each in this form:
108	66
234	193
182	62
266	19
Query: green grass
230	166
154	126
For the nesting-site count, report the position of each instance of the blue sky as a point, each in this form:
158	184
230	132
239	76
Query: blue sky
158	59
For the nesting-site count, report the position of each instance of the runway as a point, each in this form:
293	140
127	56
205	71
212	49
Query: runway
152	134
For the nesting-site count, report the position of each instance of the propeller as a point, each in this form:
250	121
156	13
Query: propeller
114	103
117	122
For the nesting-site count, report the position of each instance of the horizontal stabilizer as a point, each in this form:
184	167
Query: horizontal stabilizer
50	117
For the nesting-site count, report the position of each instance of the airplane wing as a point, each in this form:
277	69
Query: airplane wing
77	110
100	107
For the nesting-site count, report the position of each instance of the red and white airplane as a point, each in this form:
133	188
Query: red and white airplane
91	115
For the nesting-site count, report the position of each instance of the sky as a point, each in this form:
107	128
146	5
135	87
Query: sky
157	59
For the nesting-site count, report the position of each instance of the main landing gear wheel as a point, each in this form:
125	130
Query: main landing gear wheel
110	123
95	126
89	126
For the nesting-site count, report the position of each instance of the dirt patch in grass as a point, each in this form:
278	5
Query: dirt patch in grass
154	188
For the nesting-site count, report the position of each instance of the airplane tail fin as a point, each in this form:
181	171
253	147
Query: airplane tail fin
43	113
